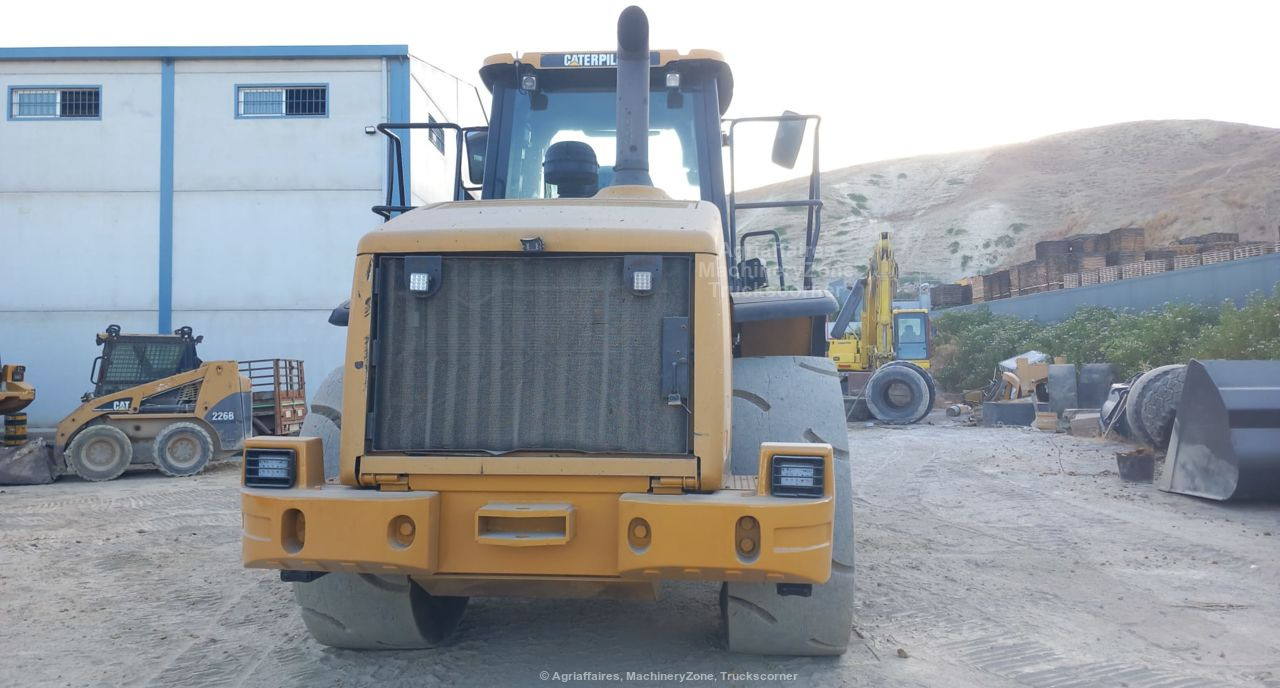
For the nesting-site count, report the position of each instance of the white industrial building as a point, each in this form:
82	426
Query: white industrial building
223	188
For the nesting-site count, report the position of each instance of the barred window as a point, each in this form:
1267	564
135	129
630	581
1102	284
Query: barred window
282	101
436	136
52	102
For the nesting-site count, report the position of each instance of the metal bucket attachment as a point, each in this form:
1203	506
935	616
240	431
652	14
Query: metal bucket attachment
1226	438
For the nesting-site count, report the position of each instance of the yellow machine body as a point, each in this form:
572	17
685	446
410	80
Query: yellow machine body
882	332
545	523
214	396
15	392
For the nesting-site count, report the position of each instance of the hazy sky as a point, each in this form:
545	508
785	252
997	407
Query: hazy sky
891	79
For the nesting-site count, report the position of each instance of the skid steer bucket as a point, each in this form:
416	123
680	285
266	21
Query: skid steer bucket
1226	438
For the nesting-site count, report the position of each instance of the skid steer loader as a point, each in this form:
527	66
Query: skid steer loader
154	402
571	387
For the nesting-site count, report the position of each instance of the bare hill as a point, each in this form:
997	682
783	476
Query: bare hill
958	214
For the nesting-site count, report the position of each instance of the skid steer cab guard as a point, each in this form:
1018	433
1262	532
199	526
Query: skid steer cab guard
1226	435
154	402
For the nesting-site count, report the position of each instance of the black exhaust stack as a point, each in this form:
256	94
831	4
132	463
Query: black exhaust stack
631	167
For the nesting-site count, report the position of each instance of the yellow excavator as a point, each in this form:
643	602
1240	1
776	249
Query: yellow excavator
882	352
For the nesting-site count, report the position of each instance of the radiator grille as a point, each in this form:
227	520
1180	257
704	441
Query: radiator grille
525	353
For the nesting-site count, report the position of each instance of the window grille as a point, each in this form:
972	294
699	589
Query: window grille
55	103
282	101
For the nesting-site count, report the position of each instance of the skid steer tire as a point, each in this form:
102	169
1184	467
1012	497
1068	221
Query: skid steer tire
324	420
910	410
100	452
928	380
792	399
1159	405
361	611
182	449
1137	397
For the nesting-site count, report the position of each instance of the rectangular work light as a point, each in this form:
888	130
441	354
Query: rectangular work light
269	468
796	476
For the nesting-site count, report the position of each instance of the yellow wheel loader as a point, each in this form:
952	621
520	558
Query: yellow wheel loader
154	402
882	352
572	386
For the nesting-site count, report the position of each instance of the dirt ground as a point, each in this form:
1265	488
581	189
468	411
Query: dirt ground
988	557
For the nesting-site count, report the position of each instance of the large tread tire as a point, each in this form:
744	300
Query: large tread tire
913	410
182	449
1159	405
100	452
792	399
1137	396
324	420
360	611
928	379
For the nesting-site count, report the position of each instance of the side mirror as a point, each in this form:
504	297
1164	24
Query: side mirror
477	140
787	142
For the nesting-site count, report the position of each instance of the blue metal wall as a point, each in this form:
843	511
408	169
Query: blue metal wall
1208	284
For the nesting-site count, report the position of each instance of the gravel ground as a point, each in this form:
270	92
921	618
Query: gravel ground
988	557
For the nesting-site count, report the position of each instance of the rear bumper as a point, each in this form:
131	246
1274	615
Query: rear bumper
629	536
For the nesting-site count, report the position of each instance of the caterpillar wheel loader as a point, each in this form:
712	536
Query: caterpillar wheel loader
882	352
154	402
570	386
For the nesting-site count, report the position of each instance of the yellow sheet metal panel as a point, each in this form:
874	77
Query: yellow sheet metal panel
587	553
308	456
592	225
664	57
338	528
794	537
768	450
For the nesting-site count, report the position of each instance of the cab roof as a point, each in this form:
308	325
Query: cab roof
504	66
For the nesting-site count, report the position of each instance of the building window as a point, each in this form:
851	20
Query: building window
55	102
436	136
282	101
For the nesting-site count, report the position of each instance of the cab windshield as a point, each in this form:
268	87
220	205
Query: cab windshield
549	116
910	330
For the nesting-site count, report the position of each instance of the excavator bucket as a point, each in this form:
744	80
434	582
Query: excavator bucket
1226	438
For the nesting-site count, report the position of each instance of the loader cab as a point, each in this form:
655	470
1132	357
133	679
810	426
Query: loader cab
554	125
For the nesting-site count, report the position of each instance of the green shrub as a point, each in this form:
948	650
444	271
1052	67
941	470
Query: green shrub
1251	332
968	345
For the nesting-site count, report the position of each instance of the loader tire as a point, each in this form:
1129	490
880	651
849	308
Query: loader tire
1159	405
1137	397
898	395
100	452
324	420
361	611
182	449
928	380
792	399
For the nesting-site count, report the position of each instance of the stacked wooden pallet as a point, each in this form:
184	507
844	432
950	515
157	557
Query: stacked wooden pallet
1111	273
1183	262
1127	239
1252	249
1154	267
1071	280
1219	256
1093	261
1131	270
1088	277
